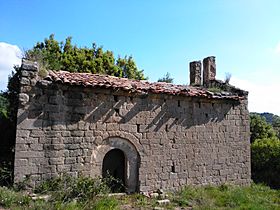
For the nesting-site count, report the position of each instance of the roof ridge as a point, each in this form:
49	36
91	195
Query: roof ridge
140	86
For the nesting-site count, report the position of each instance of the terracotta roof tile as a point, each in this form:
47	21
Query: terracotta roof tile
136	86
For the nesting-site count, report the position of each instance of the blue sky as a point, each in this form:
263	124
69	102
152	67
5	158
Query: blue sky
161	35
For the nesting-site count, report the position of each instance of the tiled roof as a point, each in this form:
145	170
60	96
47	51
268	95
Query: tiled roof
136	86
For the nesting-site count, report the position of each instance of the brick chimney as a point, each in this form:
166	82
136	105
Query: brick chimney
209	69
195	73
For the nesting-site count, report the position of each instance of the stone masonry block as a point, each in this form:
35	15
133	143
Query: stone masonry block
23	133
70	160
36	147
21	162
77	133
28	154
37	133
56	161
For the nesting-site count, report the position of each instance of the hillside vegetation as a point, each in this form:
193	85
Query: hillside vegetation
86	193
265	150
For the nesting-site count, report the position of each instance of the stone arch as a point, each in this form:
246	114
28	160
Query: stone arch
124	135
132	160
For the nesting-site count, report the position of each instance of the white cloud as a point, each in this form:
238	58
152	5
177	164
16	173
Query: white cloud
262	97
10	55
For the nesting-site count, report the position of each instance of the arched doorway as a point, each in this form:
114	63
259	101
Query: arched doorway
114	166
131	161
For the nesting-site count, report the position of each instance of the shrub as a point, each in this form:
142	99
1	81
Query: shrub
66	188
6	174
259	128
266	161
10	198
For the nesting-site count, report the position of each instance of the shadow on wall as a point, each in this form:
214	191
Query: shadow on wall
59	104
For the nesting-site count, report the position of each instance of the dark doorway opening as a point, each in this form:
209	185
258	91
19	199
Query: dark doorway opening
114	166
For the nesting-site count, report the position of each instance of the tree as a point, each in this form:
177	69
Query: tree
54	55
259	128
276	121
3	107
265	159
166	78
8	121
276	124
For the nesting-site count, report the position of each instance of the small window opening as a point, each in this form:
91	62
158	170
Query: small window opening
206	115
116	99
117	111
173	168
212	104
138	128
166	128
179	103
199	104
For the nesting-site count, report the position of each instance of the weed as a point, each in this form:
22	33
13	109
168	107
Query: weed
66	188
228	197
215	89
23	185
68	193
9	197
6	174
227	77
104	203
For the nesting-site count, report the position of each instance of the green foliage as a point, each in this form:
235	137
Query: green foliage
21	200
166	78
276	121
8	114
205	197
12	94
5	174
66	188
54	55
105	203
9	198
4	104
276	125
215	89
268	116
272	119
228	197
266	161
259	128
265	149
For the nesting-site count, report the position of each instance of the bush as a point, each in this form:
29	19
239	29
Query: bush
66	188
259	128
64	193
6	174
10	198
266	161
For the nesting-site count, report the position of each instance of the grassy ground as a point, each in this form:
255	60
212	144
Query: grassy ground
208	197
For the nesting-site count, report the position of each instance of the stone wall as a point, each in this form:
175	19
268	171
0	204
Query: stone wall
169	141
